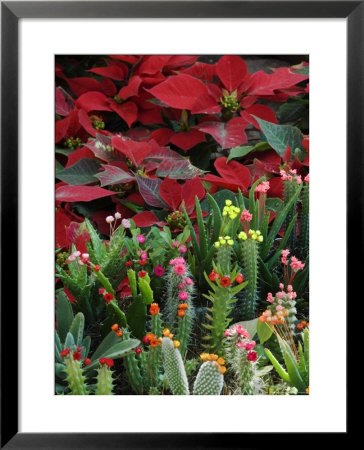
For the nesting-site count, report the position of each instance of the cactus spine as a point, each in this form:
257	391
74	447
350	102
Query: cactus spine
209	380
174	368
104	381
75	377
184	328
132	368
249	255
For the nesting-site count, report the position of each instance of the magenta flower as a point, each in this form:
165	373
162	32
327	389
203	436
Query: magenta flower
252	356
179	269
270	297
182	249
245	215
141	238
188	281
183	295
159	271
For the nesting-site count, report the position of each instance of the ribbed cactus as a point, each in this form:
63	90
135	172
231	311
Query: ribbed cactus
174	368
104	381
75	377
209	380
223	256
250	269
304	219
219	314
184	328
132	368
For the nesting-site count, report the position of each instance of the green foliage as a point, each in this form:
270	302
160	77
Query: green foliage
264	331
64	315
297	369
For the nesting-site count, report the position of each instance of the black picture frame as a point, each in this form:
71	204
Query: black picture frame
11	12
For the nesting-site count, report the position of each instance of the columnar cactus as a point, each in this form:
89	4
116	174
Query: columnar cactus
222	298
174	368
304	219
291	185
133	369
249	259
74	372
210	379
179	288
242	359
104	379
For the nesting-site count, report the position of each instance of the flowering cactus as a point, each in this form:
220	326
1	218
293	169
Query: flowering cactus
222	298
74	372
242	358
174	368
304	219
104	379
179	288
210	379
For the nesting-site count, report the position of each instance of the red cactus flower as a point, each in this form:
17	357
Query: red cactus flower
225	281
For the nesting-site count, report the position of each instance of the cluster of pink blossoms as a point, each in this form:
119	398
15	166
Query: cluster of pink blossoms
82	258
291	175
238	336
262	187
181	247
179	268
296	264
280	306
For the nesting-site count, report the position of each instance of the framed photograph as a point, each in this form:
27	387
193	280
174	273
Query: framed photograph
171	243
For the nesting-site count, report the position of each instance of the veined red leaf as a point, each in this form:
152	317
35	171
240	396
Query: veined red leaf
64	103
152	64
127	111
228	135
93	101
83	172
231	70
179	91
149	189
233	175
81	193
162	135
113	175
187	139
261	111
134	150
190	190
131	59
78	154
147	219
82	85
205	104
131	89
62	221
171	192
201	71
178	61
178	169
101	147
265	84
114	72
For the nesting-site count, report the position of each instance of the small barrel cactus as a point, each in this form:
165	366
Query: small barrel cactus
174	368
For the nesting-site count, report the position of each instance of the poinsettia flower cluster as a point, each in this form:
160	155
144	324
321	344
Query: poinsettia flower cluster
126	122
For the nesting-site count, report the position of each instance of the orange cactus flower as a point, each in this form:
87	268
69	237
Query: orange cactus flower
176	344
183	306
221	361
166	332
151	336
213	357
115	327
204	356
119	333
181	313
222	369
262	318
154	343
170	335
154	309
300	326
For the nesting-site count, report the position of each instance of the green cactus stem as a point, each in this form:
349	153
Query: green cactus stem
75	377
104	381
249	253
223	257
304	219
174	368
184	328
133	369
209	380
